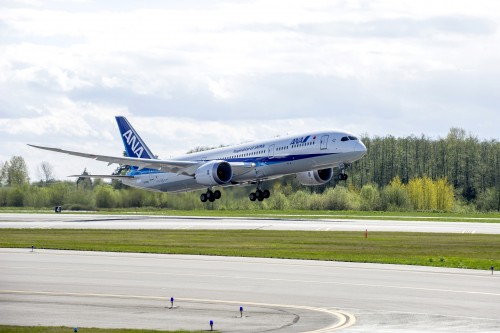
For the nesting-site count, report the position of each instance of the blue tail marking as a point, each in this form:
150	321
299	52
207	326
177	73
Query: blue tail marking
134	146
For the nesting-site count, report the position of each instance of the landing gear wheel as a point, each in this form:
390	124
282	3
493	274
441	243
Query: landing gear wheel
259	194
342	176
210	195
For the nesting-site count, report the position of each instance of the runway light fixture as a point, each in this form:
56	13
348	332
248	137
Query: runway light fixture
171	302
211	325
241	311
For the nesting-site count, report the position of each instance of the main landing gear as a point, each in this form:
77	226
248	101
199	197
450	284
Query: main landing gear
259	194
210	196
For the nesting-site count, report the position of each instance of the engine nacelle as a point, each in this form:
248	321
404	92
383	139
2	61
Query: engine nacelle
315	177
214	173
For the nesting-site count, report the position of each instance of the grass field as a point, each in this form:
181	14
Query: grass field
298	214
442	250
62	329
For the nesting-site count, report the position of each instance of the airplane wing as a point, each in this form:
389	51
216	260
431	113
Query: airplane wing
187	168
182	167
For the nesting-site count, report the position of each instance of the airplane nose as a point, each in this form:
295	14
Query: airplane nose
361	147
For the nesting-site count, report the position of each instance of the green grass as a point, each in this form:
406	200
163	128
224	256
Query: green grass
295	214
62	329
474	251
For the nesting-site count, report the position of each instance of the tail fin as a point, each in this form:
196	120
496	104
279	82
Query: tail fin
134	146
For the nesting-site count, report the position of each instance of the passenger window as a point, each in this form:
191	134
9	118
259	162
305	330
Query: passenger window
344	138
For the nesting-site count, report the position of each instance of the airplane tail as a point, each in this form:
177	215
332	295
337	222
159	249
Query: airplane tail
134	146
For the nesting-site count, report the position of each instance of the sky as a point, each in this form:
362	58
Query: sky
190	73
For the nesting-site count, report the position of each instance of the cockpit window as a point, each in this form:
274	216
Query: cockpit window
353	137
344	138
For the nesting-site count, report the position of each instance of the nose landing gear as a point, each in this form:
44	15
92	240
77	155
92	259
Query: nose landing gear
342	175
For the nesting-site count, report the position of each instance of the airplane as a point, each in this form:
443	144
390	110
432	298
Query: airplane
310	156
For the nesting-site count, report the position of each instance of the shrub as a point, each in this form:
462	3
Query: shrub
338	198
369	197
394	196
278	201
299	200
57	192
36	197
489	200
15	197
105	196
80	197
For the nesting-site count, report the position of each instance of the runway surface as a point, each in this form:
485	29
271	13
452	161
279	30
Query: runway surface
95	221
133	290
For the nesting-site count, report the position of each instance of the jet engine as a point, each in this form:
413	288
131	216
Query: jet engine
214	173
315	177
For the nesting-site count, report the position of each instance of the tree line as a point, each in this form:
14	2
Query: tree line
456	173
471	165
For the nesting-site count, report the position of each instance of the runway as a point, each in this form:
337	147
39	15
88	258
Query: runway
96	221
85	289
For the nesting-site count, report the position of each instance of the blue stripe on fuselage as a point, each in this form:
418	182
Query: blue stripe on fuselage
266	160
259	161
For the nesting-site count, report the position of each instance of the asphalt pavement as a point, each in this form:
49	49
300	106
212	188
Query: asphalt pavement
96	221
88	289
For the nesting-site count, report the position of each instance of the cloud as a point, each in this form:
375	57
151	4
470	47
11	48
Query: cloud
191	73
433	27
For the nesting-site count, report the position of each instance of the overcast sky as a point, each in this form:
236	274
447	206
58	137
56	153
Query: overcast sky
189	73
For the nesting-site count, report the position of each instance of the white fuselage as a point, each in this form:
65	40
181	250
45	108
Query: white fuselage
261	160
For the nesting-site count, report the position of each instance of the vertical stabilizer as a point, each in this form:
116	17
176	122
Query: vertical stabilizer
134	146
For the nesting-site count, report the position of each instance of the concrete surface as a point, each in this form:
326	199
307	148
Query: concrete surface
91	221
133	290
